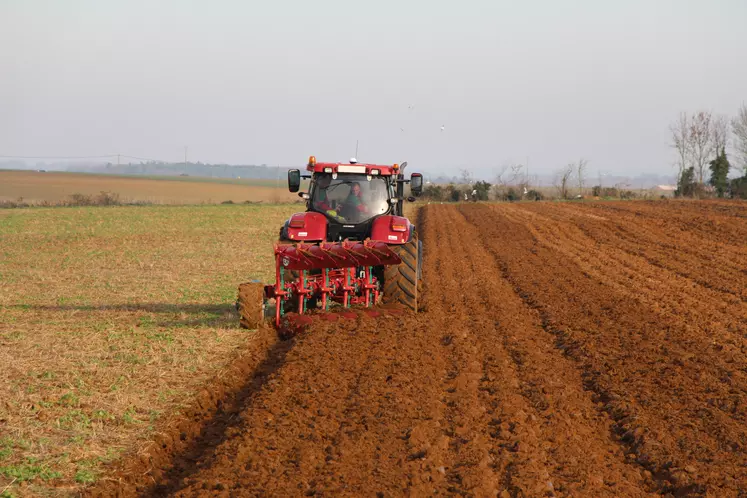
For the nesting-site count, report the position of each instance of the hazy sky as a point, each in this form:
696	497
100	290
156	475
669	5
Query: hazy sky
276	81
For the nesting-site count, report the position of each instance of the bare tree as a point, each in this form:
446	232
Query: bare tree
509	174
466	176
500	182
519	179
516	175
720	133
524	184
680	130
562	179
581	174
739	128
500	177
701	141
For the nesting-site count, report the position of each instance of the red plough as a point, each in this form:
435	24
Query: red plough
327	272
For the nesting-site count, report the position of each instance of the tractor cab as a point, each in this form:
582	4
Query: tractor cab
350	198
350	201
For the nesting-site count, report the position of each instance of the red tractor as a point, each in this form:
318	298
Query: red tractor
352	246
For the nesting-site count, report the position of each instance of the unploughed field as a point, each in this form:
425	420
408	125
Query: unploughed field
111	320
565	349
35	187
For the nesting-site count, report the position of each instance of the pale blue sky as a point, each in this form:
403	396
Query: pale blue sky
274	82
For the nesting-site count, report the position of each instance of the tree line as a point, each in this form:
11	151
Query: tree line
701	140
513	183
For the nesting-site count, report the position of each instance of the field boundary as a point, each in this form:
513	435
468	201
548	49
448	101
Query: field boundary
105	199
28	187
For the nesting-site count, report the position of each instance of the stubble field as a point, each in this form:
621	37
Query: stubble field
565	349
111	321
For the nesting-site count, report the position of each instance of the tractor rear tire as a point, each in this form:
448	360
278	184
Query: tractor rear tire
401	282
250	305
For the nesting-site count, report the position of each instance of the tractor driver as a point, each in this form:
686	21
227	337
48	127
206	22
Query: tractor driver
353	205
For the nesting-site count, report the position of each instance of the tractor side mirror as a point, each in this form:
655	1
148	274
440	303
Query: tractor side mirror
294	180
416	184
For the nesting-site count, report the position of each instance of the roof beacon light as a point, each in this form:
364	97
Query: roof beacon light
312	160
395	167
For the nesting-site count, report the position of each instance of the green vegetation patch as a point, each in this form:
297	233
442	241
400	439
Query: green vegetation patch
112	317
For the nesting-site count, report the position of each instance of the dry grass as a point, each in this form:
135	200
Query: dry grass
110	317
36	187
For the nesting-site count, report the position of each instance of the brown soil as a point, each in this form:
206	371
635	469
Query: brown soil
567	350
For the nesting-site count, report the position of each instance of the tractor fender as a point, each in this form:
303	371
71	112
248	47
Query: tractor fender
308	227
388	229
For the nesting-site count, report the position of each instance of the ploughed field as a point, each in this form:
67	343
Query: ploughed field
566	349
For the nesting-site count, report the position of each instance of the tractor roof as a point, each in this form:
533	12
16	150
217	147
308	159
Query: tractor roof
368	169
